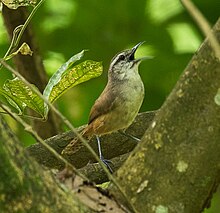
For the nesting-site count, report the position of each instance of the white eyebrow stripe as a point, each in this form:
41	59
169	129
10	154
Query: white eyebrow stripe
116	59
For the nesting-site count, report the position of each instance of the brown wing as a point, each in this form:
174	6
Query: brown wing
103	104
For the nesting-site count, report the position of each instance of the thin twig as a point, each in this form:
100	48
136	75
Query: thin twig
15	40
29	129
203	25
26	116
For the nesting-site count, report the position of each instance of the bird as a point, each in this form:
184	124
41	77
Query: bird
118	104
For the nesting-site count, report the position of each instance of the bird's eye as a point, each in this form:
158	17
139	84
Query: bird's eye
121	57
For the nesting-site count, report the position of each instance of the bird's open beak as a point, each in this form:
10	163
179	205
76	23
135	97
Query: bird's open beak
134	49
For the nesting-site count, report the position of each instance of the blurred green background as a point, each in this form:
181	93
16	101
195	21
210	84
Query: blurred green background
63	28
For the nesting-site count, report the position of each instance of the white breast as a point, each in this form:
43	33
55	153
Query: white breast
130	98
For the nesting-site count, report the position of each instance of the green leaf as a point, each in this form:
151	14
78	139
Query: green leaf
18	105
21	96
80	73
67	77
56	77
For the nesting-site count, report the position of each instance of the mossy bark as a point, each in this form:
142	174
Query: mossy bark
176	166
25	186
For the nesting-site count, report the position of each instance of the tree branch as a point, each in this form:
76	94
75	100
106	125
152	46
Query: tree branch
96	174
113	145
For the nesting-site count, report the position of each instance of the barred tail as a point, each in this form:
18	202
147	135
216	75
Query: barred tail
76	143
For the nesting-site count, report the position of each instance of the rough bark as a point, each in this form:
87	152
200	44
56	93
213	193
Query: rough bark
175	168
96	174
31	67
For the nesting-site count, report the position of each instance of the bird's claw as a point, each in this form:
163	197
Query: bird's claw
107	162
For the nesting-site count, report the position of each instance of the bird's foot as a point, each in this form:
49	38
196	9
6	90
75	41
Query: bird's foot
107	162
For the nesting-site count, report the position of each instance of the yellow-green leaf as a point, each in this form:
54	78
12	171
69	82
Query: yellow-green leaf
80	73
57	76
19	95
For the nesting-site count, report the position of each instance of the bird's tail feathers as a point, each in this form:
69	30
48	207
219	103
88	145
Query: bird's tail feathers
76	143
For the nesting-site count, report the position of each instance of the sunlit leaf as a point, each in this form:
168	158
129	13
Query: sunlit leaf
14	4
17	104
56	77
20	96
180	34
78	74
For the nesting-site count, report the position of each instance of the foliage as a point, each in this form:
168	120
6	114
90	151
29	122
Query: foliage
20	96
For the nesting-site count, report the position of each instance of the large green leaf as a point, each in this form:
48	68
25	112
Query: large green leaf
66	77
20	96
56	77
80	73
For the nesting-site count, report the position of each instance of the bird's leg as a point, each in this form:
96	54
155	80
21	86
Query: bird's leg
129	136
106	162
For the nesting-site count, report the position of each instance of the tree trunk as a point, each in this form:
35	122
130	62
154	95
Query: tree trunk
31	67
176	166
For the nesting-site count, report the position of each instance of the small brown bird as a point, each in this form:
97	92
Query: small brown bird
118	104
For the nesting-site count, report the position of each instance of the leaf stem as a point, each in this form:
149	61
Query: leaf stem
19	31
